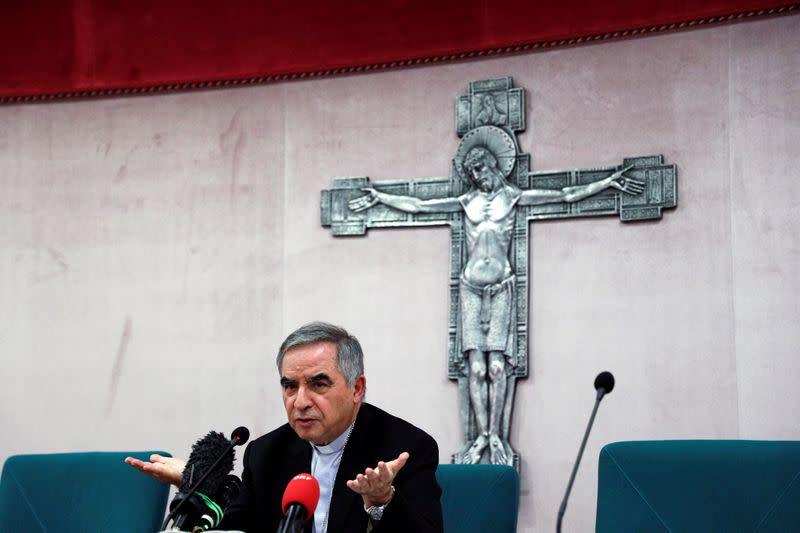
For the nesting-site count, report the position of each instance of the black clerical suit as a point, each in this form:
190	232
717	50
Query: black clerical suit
275	458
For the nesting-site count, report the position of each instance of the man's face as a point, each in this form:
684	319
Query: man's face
319	404
482	175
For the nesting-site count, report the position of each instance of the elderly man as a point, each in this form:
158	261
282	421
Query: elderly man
375	470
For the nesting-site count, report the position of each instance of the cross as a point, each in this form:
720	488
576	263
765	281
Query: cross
488	200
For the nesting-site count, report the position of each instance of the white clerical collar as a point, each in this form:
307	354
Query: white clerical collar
335	445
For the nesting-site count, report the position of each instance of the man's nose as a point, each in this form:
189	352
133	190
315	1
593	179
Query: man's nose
302	400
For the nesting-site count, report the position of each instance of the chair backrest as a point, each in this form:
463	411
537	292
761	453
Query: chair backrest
80	493
700	485
479	498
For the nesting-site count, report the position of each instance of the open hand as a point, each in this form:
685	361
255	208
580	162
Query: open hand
626	185
375	484
160	468
364	202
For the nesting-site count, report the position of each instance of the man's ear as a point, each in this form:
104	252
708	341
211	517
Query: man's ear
359	389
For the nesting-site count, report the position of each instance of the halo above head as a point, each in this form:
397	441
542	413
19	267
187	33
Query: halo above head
494	139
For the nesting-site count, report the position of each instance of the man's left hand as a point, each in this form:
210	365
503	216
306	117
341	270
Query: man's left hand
375	484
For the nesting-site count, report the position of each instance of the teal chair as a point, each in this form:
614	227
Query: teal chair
79	493
699	486
479	498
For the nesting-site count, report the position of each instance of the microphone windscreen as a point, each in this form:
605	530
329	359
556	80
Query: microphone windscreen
240	435
204	452
605	381
302	489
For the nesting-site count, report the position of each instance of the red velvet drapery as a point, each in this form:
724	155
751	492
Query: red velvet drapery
67	47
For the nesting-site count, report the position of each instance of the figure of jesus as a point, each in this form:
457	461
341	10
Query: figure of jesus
487	291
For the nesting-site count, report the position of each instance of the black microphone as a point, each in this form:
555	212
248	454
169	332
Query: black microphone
604	383
241	434
228	492
205	473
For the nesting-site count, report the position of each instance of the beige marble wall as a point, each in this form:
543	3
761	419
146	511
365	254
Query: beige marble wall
156	249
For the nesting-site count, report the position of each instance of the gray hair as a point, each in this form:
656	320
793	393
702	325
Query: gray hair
349	357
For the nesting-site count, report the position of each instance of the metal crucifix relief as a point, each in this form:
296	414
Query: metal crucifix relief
488	200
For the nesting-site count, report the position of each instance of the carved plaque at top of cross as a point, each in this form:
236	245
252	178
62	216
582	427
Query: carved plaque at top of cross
488	199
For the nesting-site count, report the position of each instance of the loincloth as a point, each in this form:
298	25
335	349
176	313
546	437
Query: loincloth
487	316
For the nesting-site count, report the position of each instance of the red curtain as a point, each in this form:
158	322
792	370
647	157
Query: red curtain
67	47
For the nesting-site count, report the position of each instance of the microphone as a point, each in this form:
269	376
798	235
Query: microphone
299	502
241	434
228	492
205	474
603	383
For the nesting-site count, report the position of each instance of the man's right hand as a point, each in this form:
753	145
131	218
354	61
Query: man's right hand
164	469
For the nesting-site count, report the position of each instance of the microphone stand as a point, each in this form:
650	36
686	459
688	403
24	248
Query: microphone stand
600	393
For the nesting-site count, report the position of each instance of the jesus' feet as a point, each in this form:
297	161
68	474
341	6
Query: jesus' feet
473	455
497	450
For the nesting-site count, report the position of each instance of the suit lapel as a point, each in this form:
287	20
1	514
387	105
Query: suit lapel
298	461
298	458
